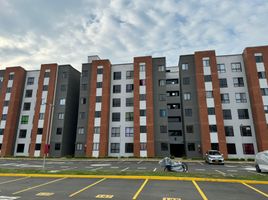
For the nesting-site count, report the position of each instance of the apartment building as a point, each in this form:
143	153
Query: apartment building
224	102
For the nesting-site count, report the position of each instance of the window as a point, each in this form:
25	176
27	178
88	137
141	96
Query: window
116	88
231	149
215	146
116	102
248	148
264	91
162	97
238	82
212	128
1	78
129	148
261	75
173	93
59	131
4	117
245	130
57	146
142	113
82	115
189	128
143	146
47	73
191	146
41	116
8	90
6	103
188	112
81	130
174	132
116	117
115	132
20	148
117	75
115	147
62	101
173	106
39	131
99	85
83	87
172	81
142	82
207	78
187	96
225	98
163	112
162	82
97	114
209	94
185	66
79	147
63	87
129	102
174	119
96	146
11	76
206	62
37	147
98	98
259	58
163	129
236	67
243	114
24	119
28	93
100	71
27	106
30	80
22	133
142	67
161	68
227	114
45	87
2	132
186	80
129	131
223	82
240	98
221	68
60	115
143	129
129	87
96	130
229	131
83	100
129	116
164	146
64	75
211	111
265	108
129	74
142	97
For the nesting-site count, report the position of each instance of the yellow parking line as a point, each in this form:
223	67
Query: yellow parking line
37	186
139	191
14	180
255	189
85	188
200	191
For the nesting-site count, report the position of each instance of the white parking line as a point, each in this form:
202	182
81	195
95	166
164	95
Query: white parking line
141	167
200	169
222	173
97	168
155	169
125	169
68	168
201	163
114	167
139	162
231	170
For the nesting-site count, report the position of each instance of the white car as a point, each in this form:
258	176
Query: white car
261	161
214	157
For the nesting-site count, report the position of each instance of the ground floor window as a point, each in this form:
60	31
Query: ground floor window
248	148
231	149
115	147
20	148
191	146
129	148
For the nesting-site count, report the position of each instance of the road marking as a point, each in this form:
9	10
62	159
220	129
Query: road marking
201	163
104	196
169	198
96	168
230	166
200	191
200	169
14	180
141	168
44	194
114	167
256	173
139	190
155	169
8	198
255	189
232	170
125	169
139	162
222	173
85	188
100	165
68	168
37	186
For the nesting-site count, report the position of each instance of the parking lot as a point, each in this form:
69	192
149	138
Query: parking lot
122	189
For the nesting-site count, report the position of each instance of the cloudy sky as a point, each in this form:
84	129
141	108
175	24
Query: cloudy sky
33	32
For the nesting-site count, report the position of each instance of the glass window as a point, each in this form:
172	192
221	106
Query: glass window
186	80
129	131
6	103
60	115
142	113
59	131
187	96
97	114
174	132
41	116
79	146
206	62
11	76
163	129
243	114
81	130
129	88
28	93
236	67
173	93
129	74
245	130
264	91
142	67
188	112
39	131
115	147
191	146
37	146
129	102
207	78
240	98
4	117
117	89
129	116
57	146
258	58
209	94
20	148
265	107
116	117
164	146
231	149
227	114
143	129
116	102
82	115
117	75
143	146
213	128
27	106
96	146
47	73
261	75
22	133
248	148
30	80
115	132
129	147
172	81
62	101
238	82
8	90
225	98
162	82
142	82
45	87
185	66
100	71
229	131
221	68
172	106
162	97
96	130
24	119
83	100
163	112
161	68
189	128
84	73
223	82
98	98
142	97
99	85
211	111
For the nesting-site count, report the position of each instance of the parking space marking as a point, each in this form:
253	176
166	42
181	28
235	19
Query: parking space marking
140	189
44	194
200	170
255	189
96	169
37	186
8	198
139	162
169	198
155	169
222	173
87	187
125	169
141	168
104	196
200	191
14	180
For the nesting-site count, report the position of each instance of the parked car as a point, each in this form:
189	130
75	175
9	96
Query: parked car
214	157
261	161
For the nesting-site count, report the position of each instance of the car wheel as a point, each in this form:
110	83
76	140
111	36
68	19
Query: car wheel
258	168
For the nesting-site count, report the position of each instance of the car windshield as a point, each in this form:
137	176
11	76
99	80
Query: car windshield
214	153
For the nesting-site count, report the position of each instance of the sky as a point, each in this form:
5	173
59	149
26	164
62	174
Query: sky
35	32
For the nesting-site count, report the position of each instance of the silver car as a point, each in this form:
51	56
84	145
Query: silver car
261	161
214	157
